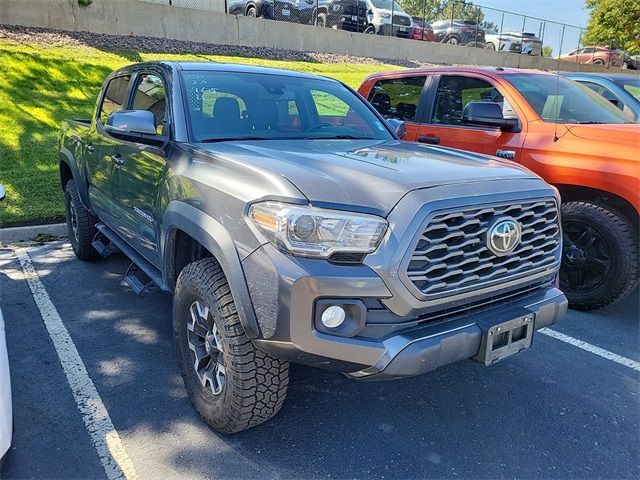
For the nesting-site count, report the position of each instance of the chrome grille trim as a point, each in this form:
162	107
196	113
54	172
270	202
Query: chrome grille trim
450	256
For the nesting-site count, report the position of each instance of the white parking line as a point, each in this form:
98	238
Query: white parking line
105	438
601	352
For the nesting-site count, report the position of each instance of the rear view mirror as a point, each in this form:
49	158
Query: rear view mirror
2	192
398	126
131	123
487	114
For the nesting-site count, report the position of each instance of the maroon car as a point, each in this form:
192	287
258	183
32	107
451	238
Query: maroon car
422	30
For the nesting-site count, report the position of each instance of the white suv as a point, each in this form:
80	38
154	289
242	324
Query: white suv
386	17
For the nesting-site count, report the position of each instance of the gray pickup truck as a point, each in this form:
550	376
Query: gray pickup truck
291	224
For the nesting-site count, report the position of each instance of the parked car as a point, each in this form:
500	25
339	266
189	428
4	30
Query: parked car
386	17
502	42
422	30
6	407
350	15
595	55
630	62
530	43
458	32
584	146
623	91
295	11
290	223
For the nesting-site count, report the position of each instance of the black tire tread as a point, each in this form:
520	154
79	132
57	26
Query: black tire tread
257	383
623	231
86	225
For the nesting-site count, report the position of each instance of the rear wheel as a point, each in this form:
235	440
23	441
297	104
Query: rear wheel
233	385
81	223
600	255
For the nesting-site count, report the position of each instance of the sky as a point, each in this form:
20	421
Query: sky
563	11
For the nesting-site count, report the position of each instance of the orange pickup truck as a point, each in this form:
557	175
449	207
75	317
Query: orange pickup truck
567	134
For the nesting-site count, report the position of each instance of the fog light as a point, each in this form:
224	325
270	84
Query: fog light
333	317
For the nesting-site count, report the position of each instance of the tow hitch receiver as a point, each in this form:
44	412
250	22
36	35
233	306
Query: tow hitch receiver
502	340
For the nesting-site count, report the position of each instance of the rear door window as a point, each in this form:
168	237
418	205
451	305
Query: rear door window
397	98
114	97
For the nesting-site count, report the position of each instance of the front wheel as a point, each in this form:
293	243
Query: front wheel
599	257
251	12
598	61
490	46
370	30
233	385
453	41
321	20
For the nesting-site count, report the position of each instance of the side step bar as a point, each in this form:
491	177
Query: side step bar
141	276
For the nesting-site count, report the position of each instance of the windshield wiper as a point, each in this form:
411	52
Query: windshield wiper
232	139
591	123
339	137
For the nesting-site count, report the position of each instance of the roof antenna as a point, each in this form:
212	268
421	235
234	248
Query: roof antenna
556	105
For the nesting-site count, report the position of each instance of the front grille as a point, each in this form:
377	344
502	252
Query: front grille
451	255
401	20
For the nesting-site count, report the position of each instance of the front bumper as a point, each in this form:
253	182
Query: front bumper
285	290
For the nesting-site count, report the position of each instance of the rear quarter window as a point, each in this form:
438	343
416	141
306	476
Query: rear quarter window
397	98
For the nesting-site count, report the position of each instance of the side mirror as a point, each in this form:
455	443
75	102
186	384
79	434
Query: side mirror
487	114
398	126
2	192
132	123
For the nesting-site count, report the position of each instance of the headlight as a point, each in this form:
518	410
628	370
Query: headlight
316	232
385	15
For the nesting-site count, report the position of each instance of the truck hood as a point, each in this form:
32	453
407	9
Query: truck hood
627	134
364	175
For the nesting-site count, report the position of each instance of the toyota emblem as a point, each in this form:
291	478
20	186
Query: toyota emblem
504	236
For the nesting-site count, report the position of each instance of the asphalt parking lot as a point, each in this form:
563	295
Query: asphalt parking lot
554	411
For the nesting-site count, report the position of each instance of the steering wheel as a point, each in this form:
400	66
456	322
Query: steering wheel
319	126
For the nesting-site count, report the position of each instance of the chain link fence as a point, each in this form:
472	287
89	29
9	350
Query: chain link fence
454	22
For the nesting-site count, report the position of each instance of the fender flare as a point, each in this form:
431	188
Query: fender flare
67	157
215	238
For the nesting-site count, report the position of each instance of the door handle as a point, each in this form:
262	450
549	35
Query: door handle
118	160
432	139
90	148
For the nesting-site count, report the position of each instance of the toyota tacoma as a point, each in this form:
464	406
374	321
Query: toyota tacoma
291	224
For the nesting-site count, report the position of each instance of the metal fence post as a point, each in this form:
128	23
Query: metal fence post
561	40
475	42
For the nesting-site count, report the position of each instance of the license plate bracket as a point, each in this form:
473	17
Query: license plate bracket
501	340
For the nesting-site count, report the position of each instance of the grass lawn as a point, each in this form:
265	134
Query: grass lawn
43	85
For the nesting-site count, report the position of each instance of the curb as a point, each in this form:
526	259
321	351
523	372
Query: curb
30	232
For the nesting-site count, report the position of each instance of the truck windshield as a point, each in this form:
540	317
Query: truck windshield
564	101
253	106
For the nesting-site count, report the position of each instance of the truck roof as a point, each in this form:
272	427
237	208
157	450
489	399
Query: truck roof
495	71
220	67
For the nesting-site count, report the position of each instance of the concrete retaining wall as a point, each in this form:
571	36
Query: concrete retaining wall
127	17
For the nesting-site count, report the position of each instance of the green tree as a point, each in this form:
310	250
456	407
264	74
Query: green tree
616	21
547	51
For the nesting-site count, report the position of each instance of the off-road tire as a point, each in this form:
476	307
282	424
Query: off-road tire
321	20
255	383
85	222
621	236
